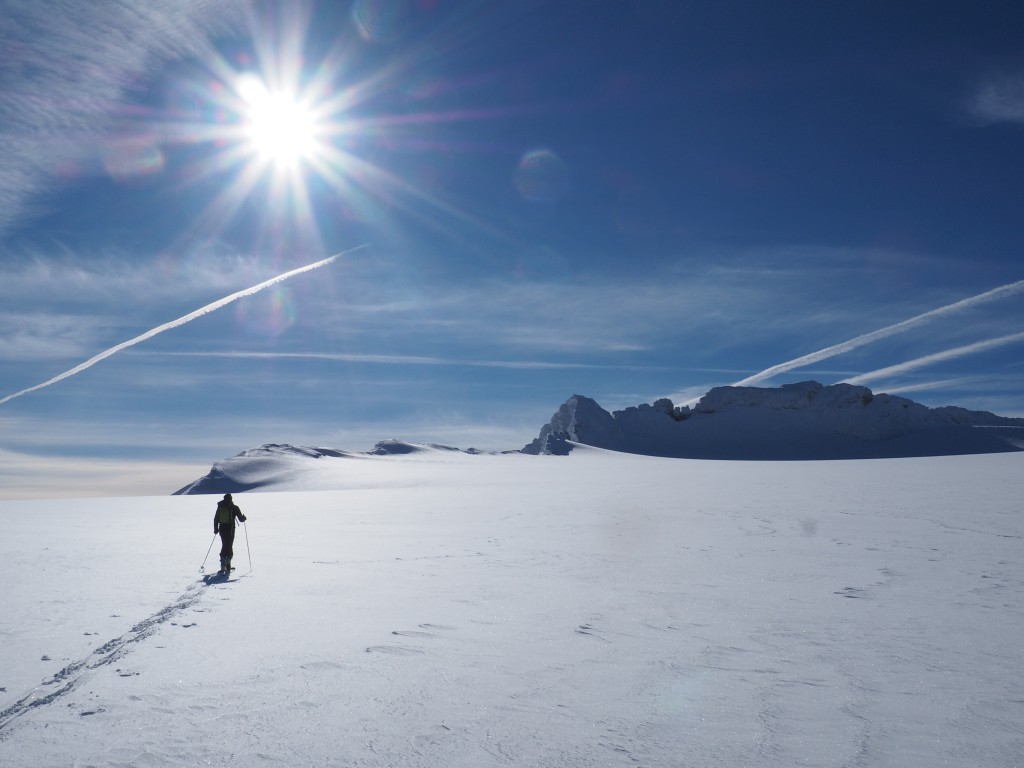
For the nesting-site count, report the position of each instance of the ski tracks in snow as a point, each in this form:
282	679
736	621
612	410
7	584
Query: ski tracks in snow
72	675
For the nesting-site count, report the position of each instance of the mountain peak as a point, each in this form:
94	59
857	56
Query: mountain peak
805	420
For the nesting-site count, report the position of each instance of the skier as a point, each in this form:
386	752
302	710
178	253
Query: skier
224	524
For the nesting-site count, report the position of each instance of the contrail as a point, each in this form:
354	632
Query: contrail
890	330
181	321
881	333
949	354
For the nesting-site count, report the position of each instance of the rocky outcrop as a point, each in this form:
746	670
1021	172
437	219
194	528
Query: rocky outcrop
795	421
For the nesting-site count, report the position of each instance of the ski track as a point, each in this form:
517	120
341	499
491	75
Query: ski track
69	678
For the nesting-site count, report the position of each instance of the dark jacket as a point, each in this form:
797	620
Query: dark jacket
225	515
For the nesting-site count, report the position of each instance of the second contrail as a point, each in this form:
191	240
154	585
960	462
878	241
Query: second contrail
181	321
881	333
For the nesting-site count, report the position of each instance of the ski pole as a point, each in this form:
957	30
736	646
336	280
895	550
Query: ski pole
201	567
247	552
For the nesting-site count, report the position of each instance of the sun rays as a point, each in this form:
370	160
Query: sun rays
290	136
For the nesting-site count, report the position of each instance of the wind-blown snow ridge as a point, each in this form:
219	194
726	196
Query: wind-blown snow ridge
280	466
796	422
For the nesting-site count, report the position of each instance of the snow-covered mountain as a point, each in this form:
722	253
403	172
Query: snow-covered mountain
277	466
803	421
795	421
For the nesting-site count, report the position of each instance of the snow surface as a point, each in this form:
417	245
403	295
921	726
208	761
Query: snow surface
599	609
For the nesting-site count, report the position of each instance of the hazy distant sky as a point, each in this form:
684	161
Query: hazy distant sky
626	200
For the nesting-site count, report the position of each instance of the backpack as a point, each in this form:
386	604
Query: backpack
225	513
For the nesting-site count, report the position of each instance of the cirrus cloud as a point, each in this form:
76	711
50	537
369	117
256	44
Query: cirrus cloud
999	100
65	71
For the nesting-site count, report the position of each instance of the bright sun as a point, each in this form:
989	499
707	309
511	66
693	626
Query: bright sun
280	128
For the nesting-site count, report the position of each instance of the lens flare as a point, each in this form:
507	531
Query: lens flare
542	176
270	317
128	159
379	21
282	136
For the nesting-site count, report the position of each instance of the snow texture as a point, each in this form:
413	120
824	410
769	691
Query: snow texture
601	609
795	421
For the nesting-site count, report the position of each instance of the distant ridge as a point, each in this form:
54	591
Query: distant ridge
802	421
278	463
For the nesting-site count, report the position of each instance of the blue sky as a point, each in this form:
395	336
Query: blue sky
627	200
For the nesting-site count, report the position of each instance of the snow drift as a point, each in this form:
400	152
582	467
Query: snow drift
279	466
795	421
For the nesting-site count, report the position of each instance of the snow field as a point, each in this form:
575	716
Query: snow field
598	609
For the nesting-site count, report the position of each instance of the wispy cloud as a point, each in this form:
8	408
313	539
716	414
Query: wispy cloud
938	357
213	306
701	311
70	75
60	305
637	313
716	303
408	360
34	276
38	336
999	100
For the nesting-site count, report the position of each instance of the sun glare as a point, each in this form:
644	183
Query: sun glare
283	132
280	128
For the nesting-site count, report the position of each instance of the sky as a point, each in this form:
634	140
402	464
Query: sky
235	223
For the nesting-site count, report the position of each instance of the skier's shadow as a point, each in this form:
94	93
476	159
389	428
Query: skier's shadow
217	578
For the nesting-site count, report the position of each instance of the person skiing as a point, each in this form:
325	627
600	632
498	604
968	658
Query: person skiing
224	524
